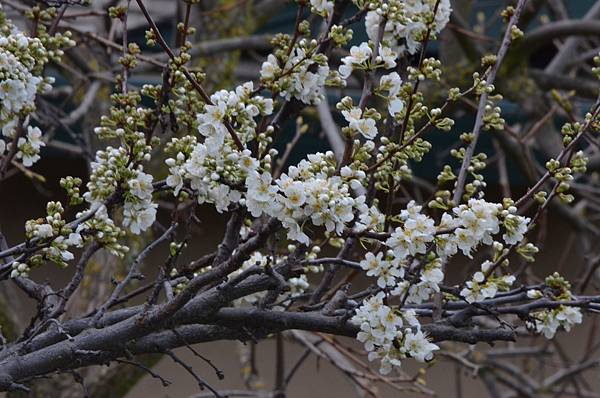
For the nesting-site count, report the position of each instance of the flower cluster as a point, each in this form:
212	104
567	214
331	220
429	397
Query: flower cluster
392	83
57	237
302	75
213	168
112	174
22	60
18	89
209	177
407	22
19	54
413	237
20	270
29	146
390	335
430	278
139	212
468	226
102	229
361	58
359	121
548	321
239	108
118	173
310	190
481	288
515	225
473	223
387	271
105	174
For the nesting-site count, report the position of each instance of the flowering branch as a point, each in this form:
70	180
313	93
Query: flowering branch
349	242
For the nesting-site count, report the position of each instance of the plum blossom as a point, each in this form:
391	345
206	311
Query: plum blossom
22	61
476	222
359	55
139	213
139	217
302	76
387	272
365	126
392	83
516	227
322	7
403	30
387	56
240	106
418	346
381	330
304	193
29	146
480	288
372	220
269	68
412	238
547	322
45	231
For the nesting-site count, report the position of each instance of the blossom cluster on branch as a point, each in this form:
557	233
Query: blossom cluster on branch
22	62
220	151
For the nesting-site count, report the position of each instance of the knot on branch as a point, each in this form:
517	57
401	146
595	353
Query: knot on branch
338	301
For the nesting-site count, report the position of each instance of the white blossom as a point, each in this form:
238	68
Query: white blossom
479	288
516	227
413	237
387	56
45	231
358	56
269	68
365	126
381	328
323	7
139	217
403	31
418	346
